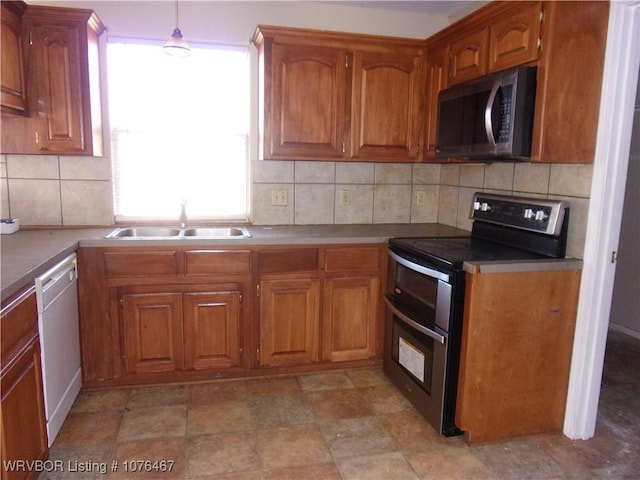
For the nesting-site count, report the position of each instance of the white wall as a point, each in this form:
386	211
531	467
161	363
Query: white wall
235	21
626	302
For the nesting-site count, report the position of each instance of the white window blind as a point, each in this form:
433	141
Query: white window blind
179	131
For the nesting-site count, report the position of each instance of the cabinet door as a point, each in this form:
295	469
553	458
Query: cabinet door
513	38
305	110
58	90
289	321
516	356
387	106
468	57
24	436
211	330
437	68
350	318
13	92
152	332
569	89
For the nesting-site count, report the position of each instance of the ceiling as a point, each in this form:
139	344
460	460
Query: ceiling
441	7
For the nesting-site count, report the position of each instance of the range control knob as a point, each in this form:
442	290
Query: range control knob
485	207
528	213
476	205
541	215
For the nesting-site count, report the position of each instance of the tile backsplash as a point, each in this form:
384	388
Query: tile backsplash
59	190
56	190
389	193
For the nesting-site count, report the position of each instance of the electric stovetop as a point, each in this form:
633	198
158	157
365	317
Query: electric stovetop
451	252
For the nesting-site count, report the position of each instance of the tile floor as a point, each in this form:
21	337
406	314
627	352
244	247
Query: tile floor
340	425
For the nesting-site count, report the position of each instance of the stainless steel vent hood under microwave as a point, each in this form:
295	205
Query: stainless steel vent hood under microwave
489	118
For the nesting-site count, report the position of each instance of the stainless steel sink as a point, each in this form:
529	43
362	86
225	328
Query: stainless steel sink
216	232
172	233
145	232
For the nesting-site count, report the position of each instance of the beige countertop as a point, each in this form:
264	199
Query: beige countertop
28	253
507	266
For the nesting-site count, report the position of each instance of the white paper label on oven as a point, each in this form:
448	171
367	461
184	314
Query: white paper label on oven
412	359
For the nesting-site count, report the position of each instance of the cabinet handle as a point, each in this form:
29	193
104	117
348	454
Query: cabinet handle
258	290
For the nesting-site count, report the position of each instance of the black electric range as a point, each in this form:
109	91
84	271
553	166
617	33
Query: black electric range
426	289
504	228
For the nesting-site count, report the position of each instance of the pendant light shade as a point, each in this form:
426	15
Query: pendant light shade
177	45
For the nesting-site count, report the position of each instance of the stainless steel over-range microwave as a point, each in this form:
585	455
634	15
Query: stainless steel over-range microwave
488	118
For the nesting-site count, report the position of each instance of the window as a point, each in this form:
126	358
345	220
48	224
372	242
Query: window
179	131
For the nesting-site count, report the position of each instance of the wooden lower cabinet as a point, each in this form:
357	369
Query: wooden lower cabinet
152	329
211	326
169	332
171	314
350	310
22	417
289	322
320	305
517	341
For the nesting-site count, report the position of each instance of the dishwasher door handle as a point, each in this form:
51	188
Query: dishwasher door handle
55	281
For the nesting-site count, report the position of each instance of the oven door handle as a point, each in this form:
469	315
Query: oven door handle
419	268
413	324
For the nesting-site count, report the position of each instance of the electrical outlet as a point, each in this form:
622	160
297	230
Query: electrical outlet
279	197
345	197
421	197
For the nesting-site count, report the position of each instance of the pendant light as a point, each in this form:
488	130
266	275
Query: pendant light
176	45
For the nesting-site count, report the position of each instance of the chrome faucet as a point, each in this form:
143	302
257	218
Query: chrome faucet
183	214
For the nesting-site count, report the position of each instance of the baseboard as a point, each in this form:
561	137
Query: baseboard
625	330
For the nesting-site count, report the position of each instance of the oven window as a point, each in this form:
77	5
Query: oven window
417	291
413	351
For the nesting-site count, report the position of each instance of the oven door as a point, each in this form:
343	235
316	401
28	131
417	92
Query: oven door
418	310
415	361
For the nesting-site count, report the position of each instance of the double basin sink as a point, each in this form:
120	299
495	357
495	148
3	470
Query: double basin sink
171	233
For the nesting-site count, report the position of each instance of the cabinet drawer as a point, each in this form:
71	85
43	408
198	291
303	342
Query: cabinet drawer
350	259
202	262
161	262
19	323
292	260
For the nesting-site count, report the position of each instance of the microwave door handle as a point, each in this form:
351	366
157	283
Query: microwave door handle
488	111
413	324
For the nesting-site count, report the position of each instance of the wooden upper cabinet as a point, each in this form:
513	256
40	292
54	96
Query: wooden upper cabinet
437	74
514	37
507	38
566	42
570	70
61	56
307	104
337	96
58	89
13	98
468	56
387	106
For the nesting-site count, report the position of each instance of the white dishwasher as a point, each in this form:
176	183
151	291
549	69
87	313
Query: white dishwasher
57	298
